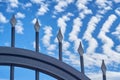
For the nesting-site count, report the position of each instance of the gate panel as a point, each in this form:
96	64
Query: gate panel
41	62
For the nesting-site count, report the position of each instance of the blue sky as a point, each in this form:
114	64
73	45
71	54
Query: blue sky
93	22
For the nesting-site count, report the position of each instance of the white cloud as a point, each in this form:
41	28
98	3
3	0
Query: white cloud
19	27
73	36
117	32
92	24
108	42
118	48
71	59
20	15
91	60
62	22
51	53
34	45
43	9
65	45
117	1
47	37
43	6
34	21
28	5
77	23
3	18
13	3
95	76
62	4
9	9
110	75
37	1
107	25
117	11
104	5
81	5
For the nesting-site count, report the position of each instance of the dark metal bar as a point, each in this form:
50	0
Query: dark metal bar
37	41
13	37
11	72
82	64
36	75
37	50
104	77
60	51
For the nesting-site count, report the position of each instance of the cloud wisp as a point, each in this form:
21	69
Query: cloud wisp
3	18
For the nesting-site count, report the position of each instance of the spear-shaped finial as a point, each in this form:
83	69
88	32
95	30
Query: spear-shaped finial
13	23
103	68
81	51
37	27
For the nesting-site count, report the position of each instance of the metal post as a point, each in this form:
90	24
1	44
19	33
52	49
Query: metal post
104	77
11	72
13	37
60	51
36	75
37	26
37	41
82	64
13	23
60	37
37	50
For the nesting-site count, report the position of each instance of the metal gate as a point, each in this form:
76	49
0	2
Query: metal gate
43	63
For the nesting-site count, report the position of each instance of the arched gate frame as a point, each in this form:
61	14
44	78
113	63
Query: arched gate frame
43	63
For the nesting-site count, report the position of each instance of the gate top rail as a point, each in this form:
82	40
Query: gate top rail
42	62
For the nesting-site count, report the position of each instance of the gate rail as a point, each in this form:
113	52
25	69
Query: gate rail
41	62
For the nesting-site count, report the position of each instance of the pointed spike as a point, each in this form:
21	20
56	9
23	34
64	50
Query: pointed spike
103	67
37	26
13	21
59	36
80	49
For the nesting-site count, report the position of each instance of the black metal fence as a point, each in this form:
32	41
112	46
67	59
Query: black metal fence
56	68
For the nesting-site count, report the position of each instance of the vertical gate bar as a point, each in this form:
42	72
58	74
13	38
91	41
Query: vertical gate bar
82	64
104	77
13	37
36	75
13	23
11	72
60	51
60	37
37	27
37	42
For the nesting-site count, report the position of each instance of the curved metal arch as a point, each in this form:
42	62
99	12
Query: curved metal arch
46	64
